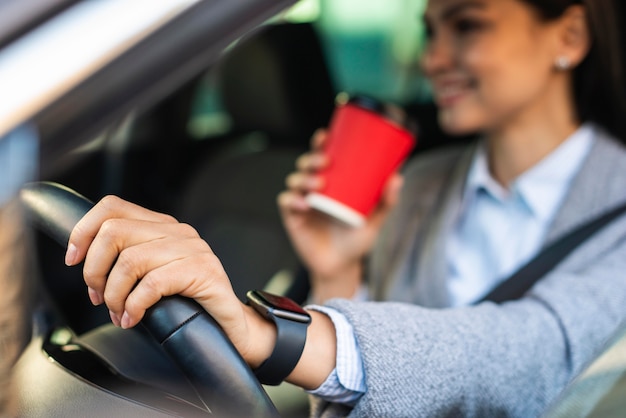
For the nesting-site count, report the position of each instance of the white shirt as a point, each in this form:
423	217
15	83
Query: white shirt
497	231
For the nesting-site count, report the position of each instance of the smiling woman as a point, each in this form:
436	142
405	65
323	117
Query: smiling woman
525	76
462	221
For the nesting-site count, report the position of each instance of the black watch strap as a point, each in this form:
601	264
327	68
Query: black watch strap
290	340
291	328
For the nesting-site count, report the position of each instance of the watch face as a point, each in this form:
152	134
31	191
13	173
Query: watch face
282	307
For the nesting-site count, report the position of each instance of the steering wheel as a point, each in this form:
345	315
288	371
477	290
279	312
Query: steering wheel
195	342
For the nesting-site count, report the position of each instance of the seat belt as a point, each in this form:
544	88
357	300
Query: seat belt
523	279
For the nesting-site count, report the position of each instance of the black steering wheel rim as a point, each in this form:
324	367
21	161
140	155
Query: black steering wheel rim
192	338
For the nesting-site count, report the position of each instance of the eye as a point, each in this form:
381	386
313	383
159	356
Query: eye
466	26
428	31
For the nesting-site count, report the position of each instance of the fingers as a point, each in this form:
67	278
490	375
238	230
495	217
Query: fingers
131	249
299	184
128	252
308	164
306	178
134	257
128	242
319	138
110	207
179	276
292	202
304	182
145	272
311	162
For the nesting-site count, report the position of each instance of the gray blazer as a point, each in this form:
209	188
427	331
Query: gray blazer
513	359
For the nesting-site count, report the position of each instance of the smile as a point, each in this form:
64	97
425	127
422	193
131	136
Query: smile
448	94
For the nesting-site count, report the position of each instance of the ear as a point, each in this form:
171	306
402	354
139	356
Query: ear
574	39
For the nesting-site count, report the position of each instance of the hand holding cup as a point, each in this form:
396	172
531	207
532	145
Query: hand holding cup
366	143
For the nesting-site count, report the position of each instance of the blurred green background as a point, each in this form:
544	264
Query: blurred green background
372	47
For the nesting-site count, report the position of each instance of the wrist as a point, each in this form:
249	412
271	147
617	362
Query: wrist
291	323
262	340
319	356
341	283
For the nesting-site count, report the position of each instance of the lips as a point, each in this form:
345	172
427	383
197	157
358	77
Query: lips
448	93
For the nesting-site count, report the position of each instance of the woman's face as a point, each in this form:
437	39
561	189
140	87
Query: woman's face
490	62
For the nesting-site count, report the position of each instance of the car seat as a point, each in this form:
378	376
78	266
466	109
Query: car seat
276	89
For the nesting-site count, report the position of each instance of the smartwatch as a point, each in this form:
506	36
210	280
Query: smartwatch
291	325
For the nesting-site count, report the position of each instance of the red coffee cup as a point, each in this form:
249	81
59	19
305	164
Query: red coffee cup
367	142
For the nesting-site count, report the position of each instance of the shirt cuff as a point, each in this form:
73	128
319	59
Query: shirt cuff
346	383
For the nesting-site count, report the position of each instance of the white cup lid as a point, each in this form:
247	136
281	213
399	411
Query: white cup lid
336	209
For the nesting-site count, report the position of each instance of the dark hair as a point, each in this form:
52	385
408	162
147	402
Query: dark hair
599	85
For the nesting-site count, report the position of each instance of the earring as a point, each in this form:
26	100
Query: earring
562	63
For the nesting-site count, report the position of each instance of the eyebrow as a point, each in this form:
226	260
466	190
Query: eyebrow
458	8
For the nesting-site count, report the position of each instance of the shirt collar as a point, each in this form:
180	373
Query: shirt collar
543	186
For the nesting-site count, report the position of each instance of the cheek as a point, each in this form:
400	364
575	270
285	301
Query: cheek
507	62
497	95
519	85
508	79
504	79
483	55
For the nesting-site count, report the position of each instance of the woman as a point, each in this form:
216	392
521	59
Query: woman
538	80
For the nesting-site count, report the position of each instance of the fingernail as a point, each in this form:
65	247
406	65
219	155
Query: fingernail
94	296
318	159
70	255
125	320
301	203
315	183
114	318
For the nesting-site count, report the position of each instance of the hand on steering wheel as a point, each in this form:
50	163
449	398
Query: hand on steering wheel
133	244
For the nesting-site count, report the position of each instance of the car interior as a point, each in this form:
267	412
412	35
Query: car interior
274	88
215	153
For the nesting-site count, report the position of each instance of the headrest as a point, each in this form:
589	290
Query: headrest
277	81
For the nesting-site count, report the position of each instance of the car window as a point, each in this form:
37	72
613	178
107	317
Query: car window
77	79
19	16
373	47
84	51
18	159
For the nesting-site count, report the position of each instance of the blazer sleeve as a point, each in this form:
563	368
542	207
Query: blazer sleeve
490	360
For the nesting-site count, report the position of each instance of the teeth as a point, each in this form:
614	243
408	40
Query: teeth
449	91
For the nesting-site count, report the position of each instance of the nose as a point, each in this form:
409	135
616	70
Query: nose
437	56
